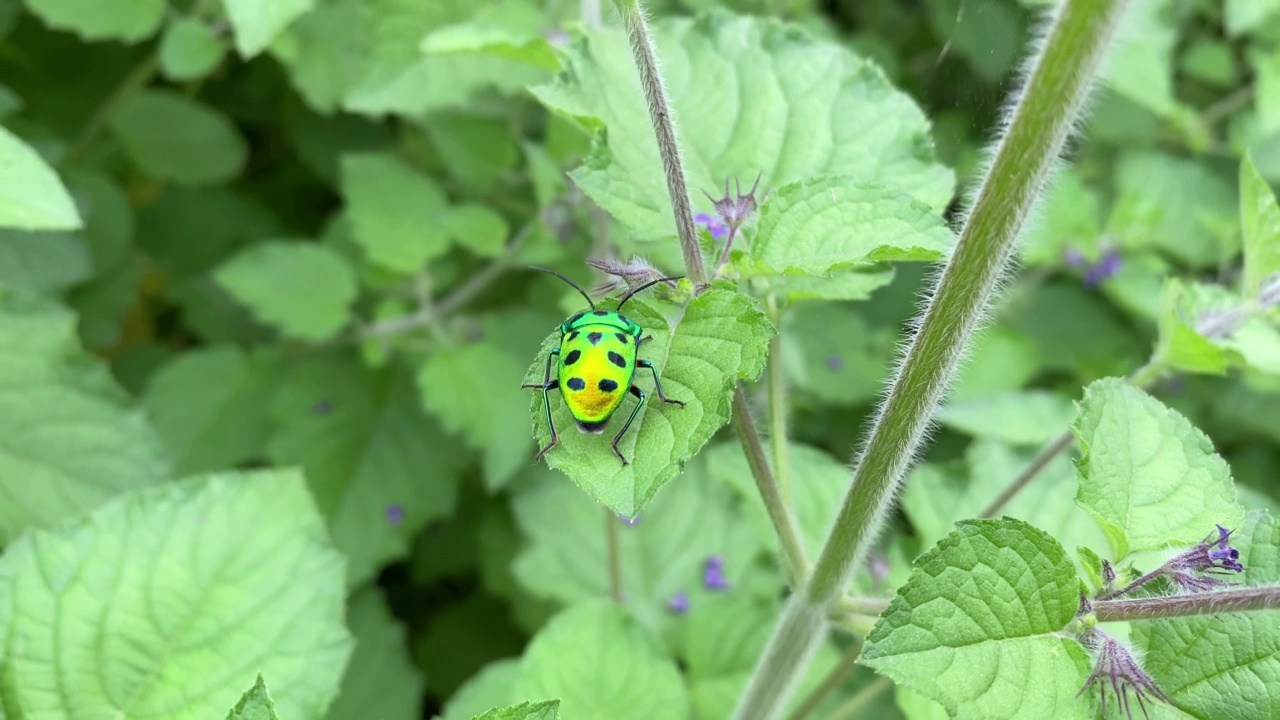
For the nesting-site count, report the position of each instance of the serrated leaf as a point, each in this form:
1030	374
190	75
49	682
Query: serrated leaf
302	288
490	688
546	710
69	436
255	23
210	406
977	626
189	50
463	386
1179	346
255	704
1028	417
379	467
174	138
662	554
126	20
393	210
31	195
1147	475
1224	665
847	121
1260	222
381	681
717	339
198	585
822	224
600	662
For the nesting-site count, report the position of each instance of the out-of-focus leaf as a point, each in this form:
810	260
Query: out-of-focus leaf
381	681
31	195
394	211
189	50
174	138
126	20
1260	220
304	289
255	23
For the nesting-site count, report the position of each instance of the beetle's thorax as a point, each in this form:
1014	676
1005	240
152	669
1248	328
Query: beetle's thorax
609	319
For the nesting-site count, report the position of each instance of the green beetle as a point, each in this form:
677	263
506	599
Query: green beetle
596	364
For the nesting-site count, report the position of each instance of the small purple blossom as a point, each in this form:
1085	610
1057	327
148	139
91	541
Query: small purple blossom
713	225
322	407
679	603
1115	664
713	574
395	515
835	363
1211	554
736	208
629	521
1095	272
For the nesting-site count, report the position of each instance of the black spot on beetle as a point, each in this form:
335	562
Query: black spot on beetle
607	385
572	357
622	337
624	319
572	336
576	383
600	313
594	338
617	359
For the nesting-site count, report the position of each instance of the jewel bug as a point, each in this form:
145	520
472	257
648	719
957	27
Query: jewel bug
595	364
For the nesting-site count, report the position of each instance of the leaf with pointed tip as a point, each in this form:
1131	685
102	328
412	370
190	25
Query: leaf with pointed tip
255	704
1260	220
302	288
720	337
381	680
545	710
31	195
256	23
978	625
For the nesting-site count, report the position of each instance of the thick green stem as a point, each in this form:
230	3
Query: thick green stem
833	679
1041	120
1206	603
794	563
655	95
778	405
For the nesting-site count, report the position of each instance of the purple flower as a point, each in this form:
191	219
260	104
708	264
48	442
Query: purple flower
713	574
679	603
1117	667
835	363
1095	272
736	208
629	521
1211	554
395	515
322	408
717	229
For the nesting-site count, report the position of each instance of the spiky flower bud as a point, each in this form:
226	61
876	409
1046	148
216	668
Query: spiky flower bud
631	274
1115	665
733	209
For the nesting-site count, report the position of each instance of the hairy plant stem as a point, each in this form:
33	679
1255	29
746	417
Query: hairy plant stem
778	404
1266	597
794	563
660	114
830	682
1041	120
611	523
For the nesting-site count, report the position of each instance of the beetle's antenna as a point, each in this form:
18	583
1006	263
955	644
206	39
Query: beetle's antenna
572	284
645	286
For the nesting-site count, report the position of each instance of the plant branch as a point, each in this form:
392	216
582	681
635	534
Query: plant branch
865	696
136	80
794	563
1216	602
832	680
660	114
1041	120
615	556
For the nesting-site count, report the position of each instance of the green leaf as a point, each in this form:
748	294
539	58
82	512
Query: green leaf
210	406
546	710
1028	417
1266	67
1260	221
201	584
43	262
1142	68
830	351
988	34
174	138
977	626
189	50
480	152
126	20
490	688
719	338
255	704
256	23
1071	220
69	436
857	284
477	228
1179	345
381	681
304	289
1170	204
463	386
600	662
663	553
1224	665
1147	475
848	121
510	29
394	211
31	195
324	51
379	467
822	224
1242	16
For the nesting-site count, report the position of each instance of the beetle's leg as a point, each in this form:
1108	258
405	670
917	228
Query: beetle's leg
630	418
547	386
657	384
643	340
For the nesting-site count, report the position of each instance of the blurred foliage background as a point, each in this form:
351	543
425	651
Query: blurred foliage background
304	245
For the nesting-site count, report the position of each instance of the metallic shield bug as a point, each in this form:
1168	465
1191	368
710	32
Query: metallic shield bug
595	364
